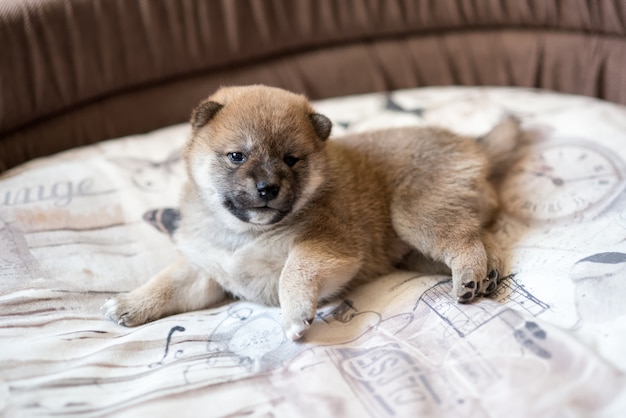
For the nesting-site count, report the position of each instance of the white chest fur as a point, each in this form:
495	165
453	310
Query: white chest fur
246	266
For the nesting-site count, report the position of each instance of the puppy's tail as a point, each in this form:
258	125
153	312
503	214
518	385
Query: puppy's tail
500	143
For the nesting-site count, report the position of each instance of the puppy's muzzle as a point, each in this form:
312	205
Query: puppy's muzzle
267	191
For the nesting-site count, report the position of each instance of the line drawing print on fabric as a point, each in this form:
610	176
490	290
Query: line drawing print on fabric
466	319
148	175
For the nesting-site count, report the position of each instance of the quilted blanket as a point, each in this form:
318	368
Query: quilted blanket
80	226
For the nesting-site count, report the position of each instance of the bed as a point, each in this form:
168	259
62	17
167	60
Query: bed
95	219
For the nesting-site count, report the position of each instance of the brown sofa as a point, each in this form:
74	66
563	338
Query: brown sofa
79	228
75	72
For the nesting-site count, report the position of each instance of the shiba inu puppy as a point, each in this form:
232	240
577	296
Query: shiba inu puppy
276	213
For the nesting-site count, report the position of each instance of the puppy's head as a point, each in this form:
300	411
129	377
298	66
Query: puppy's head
257	153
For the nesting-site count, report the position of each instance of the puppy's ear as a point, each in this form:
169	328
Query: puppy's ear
202	114
321	124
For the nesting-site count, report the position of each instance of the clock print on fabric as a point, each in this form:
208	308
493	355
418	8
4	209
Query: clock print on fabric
562	181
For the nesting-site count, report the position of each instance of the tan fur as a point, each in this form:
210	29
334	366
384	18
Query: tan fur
347	211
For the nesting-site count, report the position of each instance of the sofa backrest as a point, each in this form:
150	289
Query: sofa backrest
73	72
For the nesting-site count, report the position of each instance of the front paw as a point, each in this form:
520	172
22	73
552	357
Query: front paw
125	310
296	323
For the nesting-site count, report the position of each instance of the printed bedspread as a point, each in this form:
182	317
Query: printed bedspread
81	226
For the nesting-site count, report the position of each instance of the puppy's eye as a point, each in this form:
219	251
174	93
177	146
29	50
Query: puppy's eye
237	157
290	160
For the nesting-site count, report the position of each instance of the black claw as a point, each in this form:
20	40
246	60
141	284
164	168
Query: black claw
492	286
466	297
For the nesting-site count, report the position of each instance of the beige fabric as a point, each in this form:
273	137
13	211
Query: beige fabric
80	226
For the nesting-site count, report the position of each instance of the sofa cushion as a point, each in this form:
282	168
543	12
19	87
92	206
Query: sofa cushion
80	226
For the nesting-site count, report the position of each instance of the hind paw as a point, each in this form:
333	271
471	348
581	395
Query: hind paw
467	289
490	283
470	288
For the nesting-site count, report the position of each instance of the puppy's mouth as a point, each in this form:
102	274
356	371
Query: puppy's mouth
258	215
265	215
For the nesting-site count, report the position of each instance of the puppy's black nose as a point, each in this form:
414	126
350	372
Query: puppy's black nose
267	191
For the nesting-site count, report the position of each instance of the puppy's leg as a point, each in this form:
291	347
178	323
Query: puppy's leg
451	234
180	287
495	265
312	272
